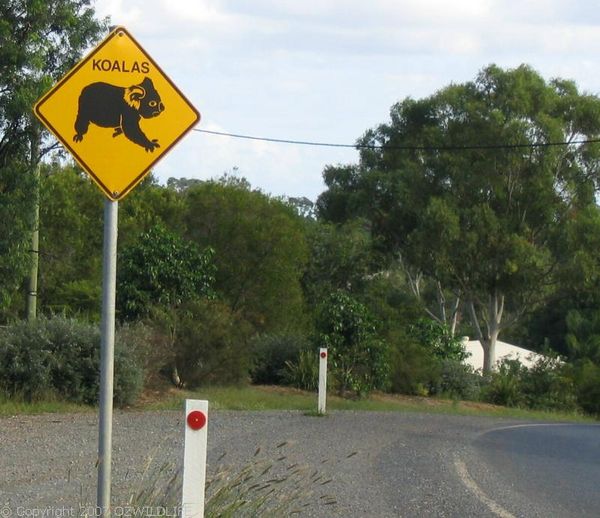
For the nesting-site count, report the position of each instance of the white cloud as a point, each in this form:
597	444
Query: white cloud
327	70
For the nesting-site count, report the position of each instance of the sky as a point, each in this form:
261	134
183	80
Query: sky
328	70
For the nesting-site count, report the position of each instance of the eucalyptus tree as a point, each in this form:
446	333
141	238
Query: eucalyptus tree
473	186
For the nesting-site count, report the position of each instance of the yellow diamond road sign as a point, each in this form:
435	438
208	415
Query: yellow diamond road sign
117	113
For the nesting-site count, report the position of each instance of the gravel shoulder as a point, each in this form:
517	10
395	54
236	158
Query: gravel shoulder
381	464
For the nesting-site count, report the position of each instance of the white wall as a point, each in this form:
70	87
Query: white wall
503	350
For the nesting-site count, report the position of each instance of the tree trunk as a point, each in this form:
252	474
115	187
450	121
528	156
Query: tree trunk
493	319
455	314
33	273
32	284
489	352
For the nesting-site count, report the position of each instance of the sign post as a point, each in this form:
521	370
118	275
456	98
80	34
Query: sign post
322	380
117	113
107	344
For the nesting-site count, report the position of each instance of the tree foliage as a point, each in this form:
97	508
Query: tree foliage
359	358
260	248
340	258
148	205
71	234
39	41
572	310
212	344
439	340
162	269
71	228
16	220
483	220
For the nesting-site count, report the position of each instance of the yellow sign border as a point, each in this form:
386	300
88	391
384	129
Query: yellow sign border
111	195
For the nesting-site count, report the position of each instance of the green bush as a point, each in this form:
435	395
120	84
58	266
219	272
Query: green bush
130	372
428	361
211	345
457	380
503	387
359	359
271	353
587	379
153	351
545	386
60	357
161	268
439	339
414	369
304	372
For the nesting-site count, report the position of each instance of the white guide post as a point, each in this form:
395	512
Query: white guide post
194	458
322	380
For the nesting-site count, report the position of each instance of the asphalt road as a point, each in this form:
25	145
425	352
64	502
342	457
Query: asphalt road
555	468
380	464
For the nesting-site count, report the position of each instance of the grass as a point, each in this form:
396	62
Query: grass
18	406
239	398
280	398
270	484
266	487
257	398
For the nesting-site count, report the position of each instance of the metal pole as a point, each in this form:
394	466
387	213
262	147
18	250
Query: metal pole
107	328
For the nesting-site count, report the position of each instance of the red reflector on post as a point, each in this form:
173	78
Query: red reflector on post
196	420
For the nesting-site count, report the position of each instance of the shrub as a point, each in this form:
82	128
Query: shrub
161	268
545	386
457	380
439	339
429	362
271	353
153	351
304	372
61	357
587	378
211	344
129	371
413	369
359	359
504	386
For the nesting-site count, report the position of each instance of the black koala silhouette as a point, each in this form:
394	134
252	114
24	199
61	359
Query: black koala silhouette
121	108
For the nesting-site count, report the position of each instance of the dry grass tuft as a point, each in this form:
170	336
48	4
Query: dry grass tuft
270	484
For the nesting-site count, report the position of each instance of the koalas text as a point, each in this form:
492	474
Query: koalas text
120	65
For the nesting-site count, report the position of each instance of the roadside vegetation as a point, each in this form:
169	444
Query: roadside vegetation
470	212
260	398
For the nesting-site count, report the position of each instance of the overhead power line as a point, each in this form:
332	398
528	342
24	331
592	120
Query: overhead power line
276	140
405	148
